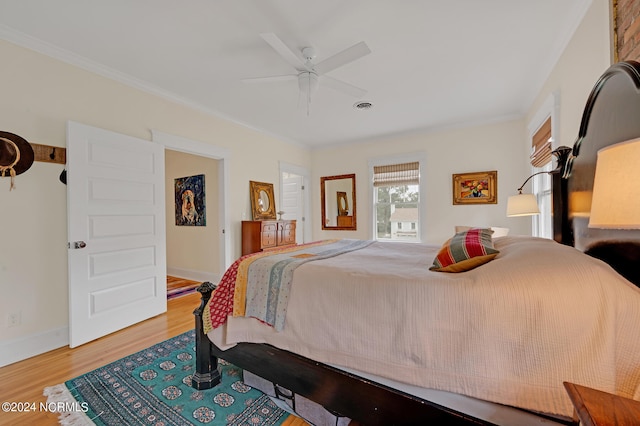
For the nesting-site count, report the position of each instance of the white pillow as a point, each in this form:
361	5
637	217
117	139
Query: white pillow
497	231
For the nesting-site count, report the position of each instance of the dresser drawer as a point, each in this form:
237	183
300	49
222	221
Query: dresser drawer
287	234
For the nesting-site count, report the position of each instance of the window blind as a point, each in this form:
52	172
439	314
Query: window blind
541	145
397	174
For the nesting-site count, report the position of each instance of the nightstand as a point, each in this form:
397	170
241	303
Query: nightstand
597	408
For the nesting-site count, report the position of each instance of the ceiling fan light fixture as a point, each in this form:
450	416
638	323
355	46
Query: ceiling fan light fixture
308	82
308	85
309	54
308	72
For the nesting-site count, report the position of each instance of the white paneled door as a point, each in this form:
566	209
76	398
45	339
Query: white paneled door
116	229
293	202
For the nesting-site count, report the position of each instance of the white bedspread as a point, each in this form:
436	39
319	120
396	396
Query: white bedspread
510	331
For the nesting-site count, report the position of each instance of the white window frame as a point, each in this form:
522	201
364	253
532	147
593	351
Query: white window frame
542	187
550	108
421	158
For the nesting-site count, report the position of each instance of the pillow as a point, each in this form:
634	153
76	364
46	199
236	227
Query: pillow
462	228
497	231
465	250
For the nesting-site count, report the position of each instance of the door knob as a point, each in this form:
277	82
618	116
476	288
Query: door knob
79	245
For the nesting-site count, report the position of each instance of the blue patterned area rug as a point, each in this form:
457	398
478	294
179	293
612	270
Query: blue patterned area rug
153	387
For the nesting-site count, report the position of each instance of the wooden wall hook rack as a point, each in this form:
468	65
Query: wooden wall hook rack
49	154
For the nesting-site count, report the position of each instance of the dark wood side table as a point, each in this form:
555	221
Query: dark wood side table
598	408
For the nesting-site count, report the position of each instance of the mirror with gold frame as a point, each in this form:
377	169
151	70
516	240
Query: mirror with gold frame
338	202
263	204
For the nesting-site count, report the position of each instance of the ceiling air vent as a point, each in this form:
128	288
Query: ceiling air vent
363	105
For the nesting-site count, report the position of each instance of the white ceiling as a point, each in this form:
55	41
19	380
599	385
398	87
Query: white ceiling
433	64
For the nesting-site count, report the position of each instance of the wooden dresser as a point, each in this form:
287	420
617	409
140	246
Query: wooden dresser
259	235
345	221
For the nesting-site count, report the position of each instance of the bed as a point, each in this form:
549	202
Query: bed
502	337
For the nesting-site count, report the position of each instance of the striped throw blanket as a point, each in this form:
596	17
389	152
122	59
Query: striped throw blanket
258	285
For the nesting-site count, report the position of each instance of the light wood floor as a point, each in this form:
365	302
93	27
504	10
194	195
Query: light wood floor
24	381
174	283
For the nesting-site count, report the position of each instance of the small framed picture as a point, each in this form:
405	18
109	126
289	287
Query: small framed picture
475	188
191	209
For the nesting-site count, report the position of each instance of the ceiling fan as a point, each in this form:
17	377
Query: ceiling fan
309	73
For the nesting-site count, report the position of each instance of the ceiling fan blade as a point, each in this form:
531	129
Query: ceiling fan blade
343	87
350	54
283	50
269	79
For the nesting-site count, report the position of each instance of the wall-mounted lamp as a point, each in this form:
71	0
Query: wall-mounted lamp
615	203
523	204
527	204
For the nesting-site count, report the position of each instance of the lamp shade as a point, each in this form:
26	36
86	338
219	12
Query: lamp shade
580	203
522	205
615	203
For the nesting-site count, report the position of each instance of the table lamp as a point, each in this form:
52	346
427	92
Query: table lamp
616	202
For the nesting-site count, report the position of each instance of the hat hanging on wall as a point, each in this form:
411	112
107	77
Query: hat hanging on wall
16	156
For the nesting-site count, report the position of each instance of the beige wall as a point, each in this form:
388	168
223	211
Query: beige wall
481	148
586	57
39	96
193	251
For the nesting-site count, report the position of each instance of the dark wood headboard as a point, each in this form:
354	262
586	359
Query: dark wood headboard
611	115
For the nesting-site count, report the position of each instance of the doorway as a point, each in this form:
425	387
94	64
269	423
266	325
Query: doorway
294	198
188	146
192	226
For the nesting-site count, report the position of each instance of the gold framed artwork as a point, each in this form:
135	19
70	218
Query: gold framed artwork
475	188
263	204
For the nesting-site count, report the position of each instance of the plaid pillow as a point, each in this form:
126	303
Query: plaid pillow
466	250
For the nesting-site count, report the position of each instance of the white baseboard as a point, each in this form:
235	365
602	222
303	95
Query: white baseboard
190	274
25	347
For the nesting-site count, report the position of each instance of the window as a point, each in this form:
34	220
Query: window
396	201
541	160
543	223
